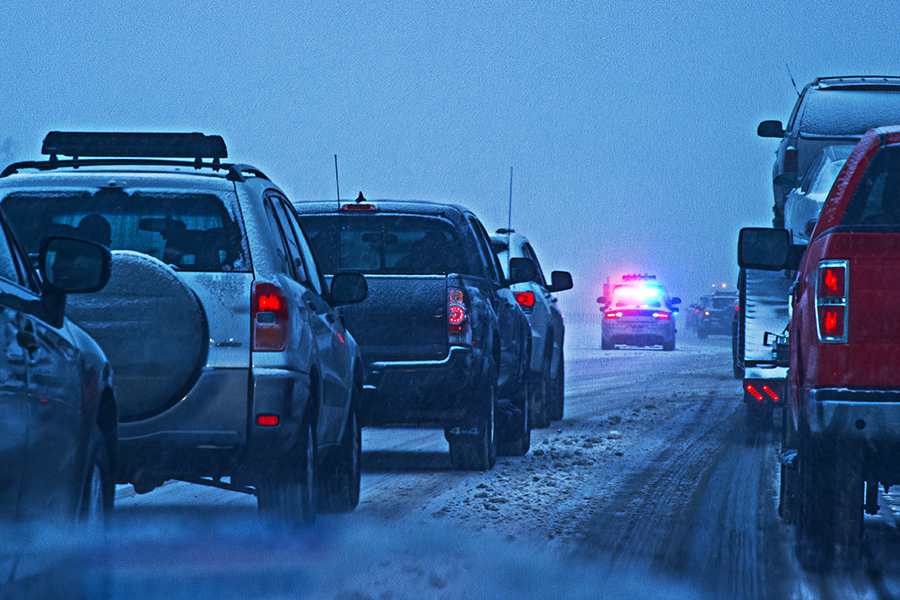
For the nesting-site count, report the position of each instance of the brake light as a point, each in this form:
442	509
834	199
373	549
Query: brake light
267	420
613	314
525	300
358	208
831	300
269	318
458	329
790	159
662	316
761	391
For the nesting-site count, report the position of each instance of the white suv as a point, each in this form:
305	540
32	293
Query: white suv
231	366
547	328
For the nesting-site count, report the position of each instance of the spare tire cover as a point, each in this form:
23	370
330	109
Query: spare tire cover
152	329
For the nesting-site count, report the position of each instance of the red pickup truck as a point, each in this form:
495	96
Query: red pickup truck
841	434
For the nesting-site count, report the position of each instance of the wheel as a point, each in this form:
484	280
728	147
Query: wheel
557	402
830	508
702	332
606	344
787	483
339	477
669	345
473	446
97	496
288	491
543	398
514	436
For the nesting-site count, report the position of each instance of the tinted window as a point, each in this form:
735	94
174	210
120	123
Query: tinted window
192	232
388	244
876	200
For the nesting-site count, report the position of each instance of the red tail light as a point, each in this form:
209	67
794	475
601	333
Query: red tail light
613	314
662	316
458	329
358	208
269	318
525	300
831	300
762	391
267	420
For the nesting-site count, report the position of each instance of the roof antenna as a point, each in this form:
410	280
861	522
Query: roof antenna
786	66
360	199
337	182
509	212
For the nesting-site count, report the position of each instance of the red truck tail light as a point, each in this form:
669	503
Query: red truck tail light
831	300
458	328
269	318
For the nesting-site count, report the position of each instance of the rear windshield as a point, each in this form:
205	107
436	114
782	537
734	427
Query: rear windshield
386	244
723	302
876	200
849	112
191	232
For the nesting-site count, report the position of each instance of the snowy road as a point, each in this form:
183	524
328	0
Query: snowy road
651	487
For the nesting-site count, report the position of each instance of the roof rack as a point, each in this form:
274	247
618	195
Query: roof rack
134	145
123	149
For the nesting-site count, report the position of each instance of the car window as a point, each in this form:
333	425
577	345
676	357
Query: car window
190	231
289	235
9	267
528	251
876	200
492	263
386	244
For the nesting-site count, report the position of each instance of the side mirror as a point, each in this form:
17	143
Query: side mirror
601	300
560	281
770	129
767	249
73	266
675	300
787	179
348	288
521	269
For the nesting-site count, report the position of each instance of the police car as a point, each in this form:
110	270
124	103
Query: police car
638	312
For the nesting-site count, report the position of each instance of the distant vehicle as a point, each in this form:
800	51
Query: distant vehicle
717	315
804	202
442	337
547	327
638	312
230	361
842	432
59	405
829	111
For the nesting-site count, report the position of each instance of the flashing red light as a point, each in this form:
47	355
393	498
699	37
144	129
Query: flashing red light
525	299
267	420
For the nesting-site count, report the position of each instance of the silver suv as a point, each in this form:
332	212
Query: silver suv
537	301
231	366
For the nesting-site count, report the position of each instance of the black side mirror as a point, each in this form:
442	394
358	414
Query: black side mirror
73	266
770	129
559	281
767	249
348	288
521	269
675	300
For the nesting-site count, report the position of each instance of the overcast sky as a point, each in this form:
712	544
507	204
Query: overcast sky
630	126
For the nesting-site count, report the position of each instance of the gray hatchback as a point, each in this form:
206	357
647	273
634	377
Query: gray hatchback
231	366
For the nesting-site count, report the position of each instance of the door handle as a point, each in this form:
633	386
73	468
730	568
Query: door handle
27	338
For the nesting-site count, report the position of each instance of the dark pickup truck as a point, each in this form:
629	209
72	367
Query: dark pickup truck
442	338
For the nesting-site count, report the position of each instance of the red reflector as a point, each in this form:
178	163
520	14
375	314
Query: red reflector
267	420
358	208
753	392
525	298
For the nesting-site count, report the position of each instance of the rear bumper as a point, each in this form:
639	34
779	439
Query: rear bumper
638	333
426	391
872	415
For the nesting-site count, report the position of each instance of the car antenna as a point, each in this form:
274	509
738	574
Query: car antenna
337	183
509	225
794	83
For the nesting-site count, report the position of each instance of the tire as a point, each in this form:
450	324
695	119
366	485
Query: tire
541	407
339	477
788	481
669	345
606	344
514	438
288	492
829	512
702	333
557	404
473	446
152	329
98	494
